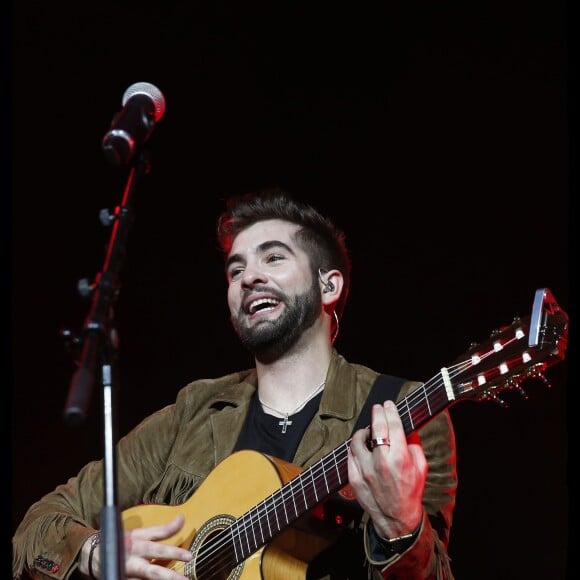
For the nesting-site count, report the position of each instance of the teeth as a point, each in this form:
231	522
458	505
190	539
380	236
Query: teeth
254	305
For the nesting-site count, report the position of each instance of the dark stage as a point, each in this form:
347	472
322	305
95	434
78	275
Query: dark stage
437	135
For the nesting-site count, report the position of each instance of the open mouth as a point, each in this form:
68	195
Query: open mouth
262	305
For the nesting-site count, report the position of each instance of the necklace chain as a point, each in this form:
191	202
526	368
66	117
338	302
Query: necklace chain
302	404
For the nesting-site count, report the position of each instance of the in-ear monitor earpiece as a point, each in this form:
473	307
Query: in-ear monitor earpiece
328	285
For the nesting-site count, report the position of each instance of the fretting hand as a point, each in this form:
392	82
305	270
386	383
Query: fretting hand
389	478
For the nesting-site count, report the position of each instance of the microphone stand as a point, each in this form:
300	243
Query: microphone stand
98	360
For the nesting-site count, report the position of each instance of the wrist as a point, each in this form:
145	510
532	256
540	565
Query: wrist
399	544
93	542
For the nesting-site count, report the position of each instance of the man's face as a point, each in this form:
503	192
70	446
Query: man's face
272	295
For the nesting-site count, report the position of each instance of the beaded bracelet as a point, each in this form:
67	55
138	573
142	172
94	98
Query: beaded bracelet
95	541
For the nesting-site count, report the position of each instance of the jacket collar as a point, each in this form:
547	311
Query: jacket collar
339	397
338	401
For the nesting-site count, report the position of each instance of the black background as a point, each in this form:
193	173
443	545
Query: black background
436	134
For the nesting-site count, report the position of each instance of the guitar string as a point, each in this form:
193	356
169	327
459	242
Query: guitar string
317	472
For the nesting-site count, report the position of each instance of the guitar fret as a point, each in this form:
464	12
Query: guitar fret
420	412
324	476
293	495
286	511
275	512
256	520
314	486
336	468
427	400
326	481
407	412
253	528
269	523
259	520
304	497
283	510
246	535
234	544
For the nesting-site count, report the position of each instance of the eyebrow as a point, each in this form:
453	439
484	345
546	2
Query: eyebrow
263	247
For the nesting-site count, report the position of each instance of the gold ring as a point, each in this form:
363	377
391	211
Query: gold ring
377	441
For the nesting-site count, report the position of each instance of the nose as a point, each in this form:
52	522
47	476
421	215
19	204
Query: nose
253	275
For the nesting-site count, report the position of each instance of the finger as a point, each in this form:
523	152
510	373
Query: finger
379	422
144	542
161	531
360	440
393	420
161	551
419	459
357	449
379	433
139	569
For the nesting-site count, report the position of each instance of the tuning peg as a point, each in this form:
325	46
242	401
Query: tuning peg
492	396
522	392
515	384
536	374
500	402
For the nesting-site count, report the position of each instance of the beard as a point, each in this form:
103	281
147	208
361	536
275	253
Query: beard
271	339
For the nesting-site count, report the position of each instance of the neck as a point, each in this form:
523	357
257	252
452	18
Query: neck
289	381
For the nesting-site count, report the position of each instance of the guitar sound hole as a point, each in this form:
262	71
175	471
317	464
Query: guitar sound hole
213	552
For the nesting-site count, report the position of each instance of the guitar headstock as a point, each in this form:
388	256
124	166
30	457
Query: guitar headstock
513	354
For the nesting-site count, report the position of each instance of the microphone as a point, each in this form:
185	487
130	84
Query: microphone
143	106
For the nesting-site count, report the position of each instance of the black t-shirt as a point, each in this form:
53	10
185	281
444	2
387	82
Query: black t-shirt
265	433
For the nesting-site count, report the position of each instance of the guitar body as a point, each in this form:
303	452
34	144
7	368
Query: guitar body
238	483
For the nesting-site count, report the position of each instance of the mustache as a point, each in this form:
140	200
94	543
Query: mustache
263	289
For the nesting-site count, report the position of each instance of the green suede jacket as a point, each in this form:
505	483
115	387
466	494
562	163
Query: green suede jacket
167	457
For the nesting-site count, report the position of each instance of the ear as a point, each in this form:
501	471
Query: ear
331	284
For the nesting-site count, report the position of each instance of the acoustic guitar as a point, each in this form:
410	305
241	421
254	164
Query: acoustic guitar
245	520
